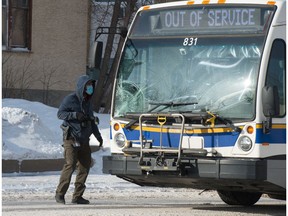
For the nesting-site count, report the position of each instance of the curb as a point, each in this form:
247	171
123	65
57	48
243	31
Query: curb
36	165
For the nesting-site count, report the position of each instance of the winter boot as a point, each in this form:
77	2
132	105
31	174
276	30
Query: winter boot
60	198
80	200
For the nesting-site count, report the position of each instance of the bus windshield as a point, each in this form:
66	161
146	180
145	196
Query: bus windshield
189	73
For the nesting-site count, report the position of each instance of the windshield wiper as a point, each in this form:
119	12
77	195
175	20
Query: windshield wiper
229	124
225	121
158	104
171	103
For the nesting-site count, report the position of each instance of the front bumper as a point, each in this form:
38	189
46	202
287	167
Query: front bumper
202	173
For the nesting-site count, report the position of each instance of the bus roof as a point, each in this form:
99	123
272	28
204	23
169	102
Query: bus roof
205	2
281	4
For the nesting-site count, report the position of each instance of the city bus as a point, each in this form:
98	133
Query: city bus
199	99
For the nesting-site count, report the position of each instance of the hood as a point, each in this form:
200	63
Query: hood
81	86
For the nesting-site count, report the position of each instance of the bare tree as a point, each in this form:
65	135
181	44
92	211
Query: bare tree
25	78
16	79
106	60
5	60
130	9
103	91
8	77
47	81
101	13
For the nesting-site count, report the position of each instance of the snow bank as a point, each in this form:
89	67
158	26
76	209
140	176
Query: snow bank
31	130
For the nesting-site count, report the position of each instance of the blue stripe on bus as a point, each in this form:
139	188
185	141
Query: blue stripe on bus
172	139
211	140
275	136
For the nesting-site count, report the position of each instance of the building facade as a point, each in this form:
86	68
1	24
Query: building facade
45	45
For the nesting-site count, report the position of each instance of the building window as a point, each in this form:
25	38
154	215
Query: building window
16	25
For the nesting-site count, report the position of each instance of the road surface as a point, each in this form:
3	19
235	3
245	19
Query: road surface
33	195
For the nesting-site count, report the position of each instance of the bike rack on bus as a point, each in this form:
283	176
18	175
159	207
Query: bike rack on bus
161	118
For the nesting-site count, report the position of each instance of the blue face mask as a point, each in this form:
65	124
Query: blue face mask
89	89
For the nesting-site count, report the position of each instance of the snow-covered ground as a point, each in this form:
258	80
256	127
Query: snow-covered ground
31	130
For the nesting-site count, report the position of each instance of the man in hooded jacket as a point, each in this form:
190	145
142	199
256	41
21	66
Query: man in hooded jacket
78	124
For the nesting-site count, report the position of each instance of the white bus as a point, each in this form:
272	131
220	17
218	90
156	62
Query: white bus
199	99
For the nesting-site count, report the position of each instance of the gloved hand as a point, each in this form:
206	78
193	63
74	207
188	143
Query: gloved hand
100	140
80	116
96	120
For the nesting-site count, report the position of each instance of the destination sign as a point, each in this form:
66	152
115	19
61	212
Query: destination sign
203	20
222	18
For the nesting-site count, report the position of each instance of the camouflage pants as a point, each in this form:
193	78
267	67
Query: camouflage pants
75	158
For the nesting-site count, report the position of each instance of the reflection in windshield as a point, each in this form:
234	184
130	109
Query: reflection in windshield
216	75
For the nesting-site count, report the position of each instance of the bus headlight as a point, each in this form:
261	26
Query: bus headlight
119	140
245	143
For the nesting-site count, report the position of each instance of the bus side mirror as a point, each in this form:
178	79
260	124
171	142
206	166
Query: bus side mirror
94	60
271	107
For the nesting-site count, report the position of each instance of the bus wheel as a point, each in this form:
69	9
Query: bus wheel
278	196
238	197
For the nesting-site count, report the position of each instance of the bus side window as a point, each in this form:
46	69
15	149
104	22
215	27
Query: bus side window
276	72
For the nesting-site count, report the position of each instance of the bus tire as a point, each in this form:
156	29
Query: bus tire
277	196
239	198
